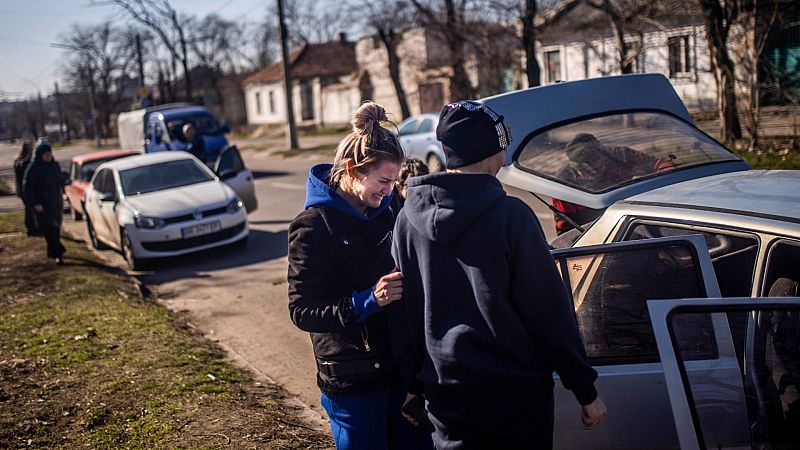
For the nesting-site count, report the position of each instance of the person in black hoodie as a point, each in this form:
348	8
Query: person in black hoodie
43	186
485	317
21	163
341	276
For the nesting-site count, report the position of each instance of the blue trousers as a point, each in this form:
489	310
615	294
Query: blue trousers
372	421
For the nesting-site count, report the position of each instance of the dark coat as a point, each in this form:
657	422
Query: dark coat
197	147
43	185
485	315
20	166
336	256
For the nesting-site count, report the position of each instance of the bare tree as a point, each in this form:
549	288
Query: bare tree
165	22
388	19
99	64
761	24
627	17
215	45
719	16
313	21
262	39
448	19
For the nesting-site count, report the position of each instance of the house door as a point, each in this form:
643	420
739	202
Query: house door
431	97
306	102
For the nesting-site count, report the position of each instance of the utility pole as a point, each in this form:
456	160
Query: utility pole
287	81
139	60
41	111
60	115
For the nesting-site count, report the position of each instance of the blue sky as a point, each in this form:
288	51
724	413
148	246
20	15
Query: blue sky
28	62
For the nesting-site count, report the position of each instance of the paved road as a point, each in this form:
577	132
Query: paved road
238	296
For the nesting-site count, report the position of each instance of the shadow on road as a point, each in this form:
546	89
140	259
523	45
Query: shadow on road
258	174
270	222
261	246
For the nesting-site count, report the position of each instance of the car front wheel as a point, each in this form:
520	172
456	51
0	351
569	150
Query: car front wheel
134	262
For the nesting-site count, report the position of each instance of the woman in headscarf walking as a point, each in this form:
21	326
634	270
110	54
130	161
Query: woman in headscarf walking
43	186
21	163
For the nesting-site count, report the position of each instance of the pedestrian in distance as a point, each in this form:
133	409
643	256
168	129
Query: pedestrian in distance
342	277
194	142
485	318
21	163
43	186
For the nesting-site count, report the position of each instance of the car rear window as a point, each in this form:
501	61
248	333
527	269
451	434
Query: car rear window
602	153
166	175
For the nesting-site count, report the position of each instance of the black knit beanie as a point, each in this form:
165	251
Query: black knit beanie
471	132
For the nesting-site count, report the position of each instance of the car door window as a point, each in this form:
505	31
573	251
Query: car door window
230	161
733	254
610	285
99	181
408	129
110	185
783	270
757	407
73	171
426	126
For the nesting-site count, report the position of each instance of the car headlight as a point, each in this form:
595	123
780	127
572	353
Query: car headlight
234	206
148	222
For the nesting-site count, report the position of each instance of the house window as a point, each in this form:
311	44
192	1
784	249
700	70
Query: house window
680	62
552	64
258	102
272	102
306	102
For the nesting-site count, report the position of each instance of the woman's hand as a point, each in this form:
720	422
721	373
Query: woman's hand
389	289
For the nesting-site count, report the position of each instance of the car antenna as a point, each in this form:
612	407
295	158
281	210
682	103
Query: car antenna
560	214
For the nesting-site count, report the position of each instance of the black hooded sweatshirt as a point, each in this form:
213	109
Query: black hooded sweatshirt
487	317
43	185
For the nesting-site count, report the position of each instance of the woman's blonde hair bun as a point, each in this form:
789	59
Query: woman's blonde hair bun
367	117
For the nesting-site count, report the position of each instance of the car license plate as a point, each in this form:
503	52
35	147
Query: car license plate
199	230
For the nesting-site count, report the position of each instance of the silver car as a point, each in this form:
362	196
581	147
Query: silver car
673	215
417	135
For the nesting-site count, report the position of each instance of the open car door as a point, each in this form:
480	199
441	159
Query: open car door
609	286
230	168
760	408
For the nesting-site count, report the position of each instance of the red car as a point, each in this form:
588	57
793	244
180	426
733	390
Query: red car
81	169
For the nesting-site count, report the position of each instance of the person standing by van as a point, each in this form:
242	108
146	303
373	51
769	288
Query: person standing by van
342	276
194	142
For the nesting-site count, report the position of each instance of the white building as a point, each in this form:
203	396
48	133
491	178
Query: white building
580	45
325	87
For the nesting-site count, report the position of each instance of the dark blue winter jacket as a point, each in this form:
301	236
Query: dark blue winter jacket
486	316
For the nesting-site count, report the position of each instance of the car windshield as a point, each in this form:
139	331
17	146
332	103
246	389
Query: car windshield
204	123
158	177
602	153
88	168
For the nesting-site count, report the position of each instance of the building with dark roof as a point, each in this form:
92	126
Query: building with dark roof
325	86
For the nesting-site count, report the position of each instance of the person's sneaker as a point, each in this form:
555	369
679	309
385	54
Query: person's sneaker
60	261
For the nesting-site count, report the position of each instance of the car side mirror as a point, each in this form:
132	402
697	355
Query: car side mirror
226	128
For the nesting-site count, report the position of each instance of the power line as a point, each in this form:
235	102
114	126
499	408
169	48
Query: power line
26	41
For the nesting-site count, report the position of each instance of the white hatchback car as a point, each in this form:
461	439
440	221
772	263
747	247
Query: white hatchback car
417	135
162	204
